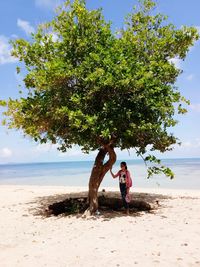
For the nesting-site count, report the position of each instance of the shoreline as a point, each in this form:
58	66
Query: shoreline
92	160
114	239
70	188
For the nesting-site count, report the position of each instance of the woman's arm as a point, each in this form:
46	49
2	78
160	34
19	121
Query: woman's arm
128	179
114	175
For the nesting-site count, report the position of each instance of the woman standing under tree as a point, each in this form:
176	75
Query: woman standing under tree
125	183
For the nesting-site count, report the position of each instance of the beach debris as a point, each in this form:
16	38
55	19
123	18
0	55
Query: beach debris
97	212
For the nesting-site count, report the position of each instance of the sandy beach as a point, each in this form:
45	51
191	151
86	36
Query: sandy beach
168	236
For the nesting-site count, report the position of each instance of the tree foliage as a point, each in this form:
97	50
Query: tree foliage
92	87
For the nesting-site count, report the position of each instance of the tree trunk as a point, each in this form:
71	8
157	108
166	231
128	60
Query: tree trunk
98	172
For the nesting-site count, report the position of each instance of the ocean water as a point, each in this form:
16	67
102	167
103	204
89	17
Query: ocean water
187	174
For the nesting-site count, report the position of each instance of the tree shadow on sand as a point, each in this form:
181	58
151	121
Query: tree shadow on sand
110	205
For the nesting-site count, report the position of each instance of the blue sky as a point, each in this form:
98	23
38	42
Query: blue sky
19	18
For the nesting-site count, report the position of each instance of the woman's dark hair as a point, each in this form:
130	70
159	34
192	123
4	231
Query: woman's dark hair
124	164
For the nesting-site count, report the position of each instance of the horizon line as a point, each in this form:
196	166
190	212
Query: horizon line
90	160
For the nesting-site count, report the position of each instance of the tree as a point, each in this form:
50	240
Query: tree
102	90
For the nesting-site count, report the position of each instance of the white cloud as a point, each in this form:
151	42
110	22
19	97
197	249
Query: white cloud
187	144
198	28
191	144
5	152
190	77
14	36
50	4
195	107
5	51
75	151
41	148
25	26
54	37
176	62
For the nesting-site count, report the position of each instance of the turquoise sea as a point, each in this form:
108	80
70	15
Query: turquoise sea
77	173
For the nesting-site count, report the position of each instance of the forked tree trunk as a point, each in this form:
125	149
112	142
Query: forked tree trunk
98	172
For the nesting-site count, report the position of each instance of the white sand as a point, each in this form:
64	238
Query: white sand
168	237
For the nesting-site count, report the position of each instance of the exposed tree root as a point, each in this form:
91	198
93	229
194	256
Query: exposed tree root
74	205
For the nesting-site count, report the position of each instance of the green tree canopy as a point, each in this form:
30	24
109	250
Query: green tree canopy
98	89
